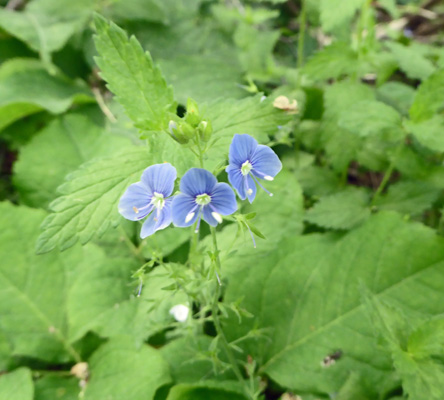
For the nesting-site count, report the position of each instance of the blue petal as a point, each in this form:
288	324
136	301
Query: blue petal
242	149
223	199
139	196
238	181
157	220
266	162
160	178
252	186
197	181
182	206
208	217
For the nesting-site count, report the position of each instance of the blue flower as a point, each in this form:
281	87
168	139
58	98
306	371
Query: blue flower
150	197
202	197
249	162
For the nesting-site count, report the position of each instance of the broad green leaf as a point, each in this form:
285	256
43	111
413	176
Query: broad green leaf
342	146
151	10
420	372
306	292
26	88
131	75
415	65
398	95
112	308
409	197
88	205
207	390
342	210
66	143
334	14
317	181
5	352
17	385
367	118
57	388
192	54
46	25
122	370
429	98
332	62
430	132
33	288
251	115
164	242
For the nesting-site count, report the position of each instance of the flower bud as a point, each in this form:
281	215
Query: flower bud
192	116
177	133
205	130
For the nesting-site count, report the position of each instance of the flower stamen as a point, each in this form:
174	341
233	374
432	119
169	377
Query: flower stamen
257	181
246	167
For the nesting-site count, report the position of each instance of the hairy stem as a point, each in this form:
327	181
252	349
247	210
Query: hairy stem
215	315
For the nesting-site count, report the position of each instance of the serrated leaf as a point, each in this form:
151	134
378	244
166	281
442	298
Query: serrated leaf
131	75
415	65
66	143
46	25
332	62
122	370
317	181
322	307
17	385
33	288
367	118
409	197
26	88
342	210
430	132
429	98
88	205
334	14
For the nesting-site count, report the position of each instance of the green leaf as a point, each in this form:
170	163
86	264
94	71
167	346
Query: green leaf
367	118
33	288
409	197
398	95
88	205
121	370
317	181
315	281
429	98
151	10
342	210
57	388
430	132
207	390
131	75
46	25
26	88
17	385
332	62
334	14
66	143
113	308
414	64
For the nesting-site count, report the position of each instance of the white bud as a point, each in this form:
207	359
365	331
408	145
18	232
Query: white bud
180	312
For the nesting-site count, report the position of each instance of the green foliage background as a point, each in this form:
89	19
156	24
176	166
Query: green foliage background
343	296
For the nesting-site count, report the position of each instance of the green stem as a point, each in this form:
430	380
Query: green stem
301	38
215	312
197	141
388	174
132	247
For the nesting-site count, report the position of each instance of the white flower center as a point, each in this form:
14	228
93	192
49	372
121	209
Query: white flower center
203	199
246	168
158	200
